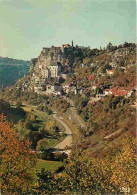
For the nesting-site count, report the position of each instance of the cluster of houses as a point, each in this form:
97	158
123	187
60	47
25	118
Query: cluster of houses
116	61
119	91
116	91
55	88
50	67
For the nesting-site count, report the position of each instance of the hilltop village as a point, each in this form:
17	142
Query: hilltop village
52	65
77	102
59	70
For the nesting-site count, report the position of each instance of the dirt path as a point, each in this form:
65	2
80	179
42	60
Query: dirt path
68	140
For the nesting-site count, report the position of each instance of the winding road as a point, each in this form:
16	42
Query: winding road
68	140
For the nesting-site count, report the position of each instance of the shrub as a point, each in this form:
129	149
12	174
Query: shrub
42	145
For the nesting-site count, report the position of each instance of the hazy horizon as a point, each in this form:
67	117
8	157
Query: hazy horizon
28	25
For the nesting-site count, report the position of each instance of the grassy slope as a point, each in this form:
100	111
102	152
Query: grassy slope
47	165
14	115
42	118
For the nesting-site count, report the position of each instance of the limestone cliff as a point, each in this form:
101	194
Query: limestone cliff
50	57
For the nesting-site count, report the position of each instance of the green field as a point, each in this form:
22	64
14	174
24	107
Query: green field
15	114
47	165
42	117
54	141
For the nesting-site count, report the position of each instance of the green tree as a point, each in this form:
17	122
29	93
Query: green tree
16	161
42	145
84	174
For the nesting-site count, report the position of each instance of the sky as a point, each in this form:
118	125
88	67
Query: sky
26	26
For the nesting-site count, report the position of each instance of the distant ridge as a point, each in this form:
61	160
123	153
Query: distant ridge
11	70
12	61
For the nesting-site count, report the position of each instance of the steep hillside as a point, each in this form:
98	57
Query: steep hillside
11	70
102	86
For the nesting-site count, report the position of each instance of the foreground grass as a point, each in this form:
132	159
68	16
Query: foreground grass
42	117
15	114
47	165
52	142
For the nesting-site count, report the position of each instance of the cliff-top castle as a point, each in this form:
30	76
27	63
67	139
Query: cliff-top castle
52	61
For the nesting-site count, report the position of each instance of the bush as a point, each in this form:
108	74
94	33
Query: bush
28	124
42	145
34	137
34	127
60	156
47	155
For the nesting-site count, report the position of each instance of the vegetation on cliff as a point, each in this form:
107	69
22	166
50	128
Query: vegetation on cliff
103	161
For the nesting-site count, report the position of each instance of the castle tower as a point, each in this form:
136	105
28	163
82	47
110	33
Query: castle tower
72	43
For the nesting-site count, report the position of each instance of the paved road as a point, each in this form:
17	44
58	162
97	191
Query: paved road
68	140
74	113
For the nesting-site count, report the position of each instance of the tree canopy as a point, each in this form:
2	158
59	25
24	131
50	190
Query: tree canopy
16	160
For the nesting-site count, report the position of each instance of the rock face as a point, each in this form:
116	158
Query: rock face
47	70
52	61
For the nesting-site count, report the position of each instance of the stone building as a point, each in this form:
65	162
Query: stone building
46	73
52	62
55	69
53	89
